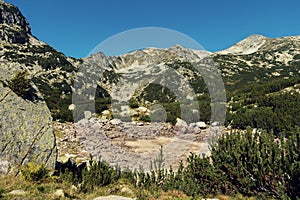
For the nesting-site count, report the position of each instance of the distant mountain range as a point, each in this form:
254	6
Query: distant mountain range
256	71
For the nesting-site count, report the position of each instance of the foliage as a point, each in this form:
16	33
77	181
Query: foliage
259	163
20	84
241	162
133	103
261	106
34	172
69	171
98	174
156	92
1	192
58	98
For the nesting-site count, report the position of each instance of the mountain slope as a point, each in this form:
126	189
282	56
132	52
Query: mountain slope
49	69
252	70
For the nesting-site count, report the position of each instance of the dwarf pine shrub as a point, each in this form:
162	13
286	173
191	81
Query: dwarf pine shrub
34	172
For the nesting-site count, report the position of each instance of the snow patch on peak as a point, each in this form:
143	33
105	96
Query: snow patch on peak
248	45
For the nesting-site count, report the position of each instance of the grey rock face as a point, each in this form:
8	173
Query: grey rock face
25	131
14	26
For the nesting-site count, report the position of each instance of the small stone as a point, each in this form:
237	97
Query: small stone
126	190
59	193
87	114
113	197
115	121
140	124
73	190
142	109
17	192
201	125
4	167
106	112
71	107
180	122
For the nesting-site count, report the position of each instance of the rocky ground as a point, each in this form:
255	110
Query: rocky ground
130	144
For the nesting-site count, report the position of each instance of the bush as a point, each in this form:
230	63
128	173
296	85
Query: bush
20	84
70	171
260	164
99	174
34	172
1	192
246	163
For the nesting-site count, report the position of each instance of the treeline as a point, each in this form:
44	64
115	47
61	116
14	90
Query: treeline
252	164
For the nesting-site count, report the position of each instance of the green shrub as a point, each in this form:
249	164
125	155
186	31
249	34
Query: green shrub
1	192
260	164
99	174
145	118
34	172
20	84
250	164
133	103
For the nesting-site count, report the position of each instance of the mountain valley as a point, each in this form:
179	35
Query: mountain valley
132	108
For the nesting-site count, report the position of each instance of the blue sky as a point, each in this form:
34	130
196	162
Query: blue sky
75	27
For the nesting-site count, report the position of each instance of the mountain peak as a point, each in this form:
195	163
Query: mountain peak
256	36
177	46
248	45
14	26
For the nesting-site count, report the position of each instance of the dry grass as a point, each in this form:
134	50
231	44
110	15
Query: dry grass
45	190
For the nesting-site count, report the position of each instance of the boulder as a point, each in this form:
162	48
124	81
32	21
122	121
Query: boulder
201	125
126	190
106	112
26	134
142	109
180	122
115	121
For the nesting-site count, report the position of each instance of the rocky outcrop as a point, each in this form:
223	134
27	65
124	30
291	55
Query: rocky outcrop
25	131
14	26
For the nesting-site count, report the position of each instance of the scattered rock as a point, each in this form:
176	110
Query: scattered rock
71	107
201	125
4	167
127	143
126	190
87	114
59	193
113	197
115	121
142	109
17	192
140	124
180	122
106	112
